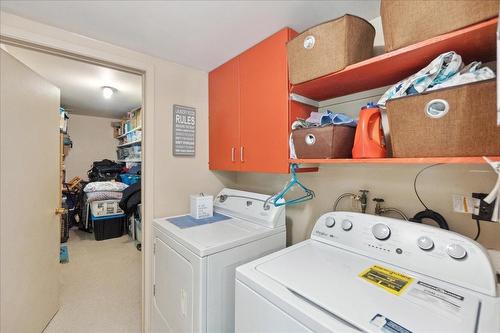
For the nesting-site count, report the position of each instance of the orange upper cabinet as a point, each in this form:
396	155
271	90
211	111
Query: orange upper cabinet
264	105
224	117
262	110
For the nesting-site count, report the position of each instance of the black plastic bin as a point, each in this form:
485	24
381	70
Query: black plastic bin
108	227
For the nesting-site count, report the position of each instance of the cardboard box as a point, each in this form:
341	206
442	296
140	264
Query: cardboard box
202	206
423	126
116	128
329	47
408	22
324	142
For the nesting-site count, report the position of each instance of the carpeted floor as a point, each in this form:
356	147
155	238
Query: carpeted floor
100	286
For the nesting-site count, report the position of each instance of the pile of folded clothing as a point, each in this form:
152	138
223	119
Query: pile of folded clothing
104	190
99	191
446	70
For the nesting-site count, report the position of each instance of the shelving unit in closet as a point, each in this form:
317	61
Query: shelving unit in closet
128	132
473	43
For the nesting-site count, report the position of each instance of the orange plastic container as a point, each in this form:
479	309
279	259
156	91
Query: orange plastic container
369	138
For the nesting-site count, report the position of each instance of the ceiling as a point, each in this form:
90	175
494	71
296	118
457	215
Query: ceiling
200	34
81	83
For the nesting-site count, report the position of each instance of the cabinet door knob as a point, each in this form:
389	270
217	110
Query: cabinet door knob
232	154
241	154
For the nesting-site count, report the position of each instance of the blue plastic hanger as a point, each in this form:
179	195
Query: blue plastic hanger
279	199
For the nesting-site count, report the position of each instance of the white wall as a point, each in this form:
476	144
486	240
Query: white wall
92	141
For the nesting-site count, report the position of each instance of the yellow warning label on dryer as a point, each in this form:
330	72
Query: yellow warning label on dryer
392	281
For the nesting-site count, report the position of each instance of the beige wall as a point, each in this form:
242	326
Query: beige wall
177	177
92	141
394	183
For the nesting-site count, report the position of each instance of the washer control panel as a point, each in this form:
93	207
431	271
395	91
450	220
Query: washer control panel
253	207
425	249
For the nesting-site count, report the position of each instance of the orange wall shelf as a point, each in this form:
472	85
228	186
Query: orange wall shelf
414	160
477	42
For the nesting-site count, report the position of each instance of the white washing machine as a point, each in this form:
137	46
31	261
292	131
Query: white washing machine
194	265
367	273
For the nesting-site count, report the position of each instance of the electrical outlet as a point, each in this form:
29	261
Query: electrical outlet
482	210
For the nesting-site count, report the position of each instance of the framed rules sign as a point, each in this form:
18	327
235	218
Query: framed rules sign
184	131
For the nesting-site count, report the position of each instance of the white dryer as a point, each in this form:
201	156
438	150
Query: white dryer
368	273
194	265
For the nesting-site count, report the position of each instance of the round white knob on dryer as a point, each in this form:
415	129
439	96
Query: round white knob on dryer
346	225
456	251
381	231
425	243
329	222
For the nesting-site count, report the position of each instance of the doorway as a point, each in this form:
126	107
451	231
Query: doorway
100	120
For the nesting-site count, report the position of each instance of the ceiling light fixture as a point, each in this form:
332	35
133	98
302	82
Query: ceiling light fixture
107	92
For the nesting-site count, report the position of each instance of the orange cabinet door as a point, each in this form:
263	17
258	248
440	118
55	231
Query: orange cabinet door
264	105
224	117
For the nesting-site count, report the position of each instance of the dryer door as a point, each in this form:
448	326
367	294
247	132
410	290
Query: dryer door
173	290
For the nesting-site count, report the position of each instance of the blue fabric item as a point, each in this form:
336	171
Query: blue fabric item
129	179
338	119
136	169
314	119
96	218
63	254
187	221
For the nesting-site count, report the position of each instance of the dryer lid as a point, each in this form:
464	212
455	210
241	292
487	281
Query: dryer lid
211	238
370	295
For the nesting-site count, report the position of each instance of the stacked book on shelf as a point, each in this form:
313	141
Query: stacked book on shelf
128	131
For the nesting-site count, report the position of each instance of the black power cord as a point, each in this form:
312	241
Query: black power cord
478	230
428	213
431	215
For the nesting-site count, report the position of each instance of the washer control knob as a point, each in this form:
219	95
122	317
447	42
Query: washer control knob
329	222
425	243
456	251
346	225
381	231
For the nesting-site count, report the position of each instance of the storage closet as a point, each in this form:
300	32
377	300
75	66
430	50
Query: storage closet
100	144
100	169
113	179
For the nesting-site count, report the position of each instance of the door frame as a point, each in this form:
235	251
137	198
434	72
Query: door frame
93	55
